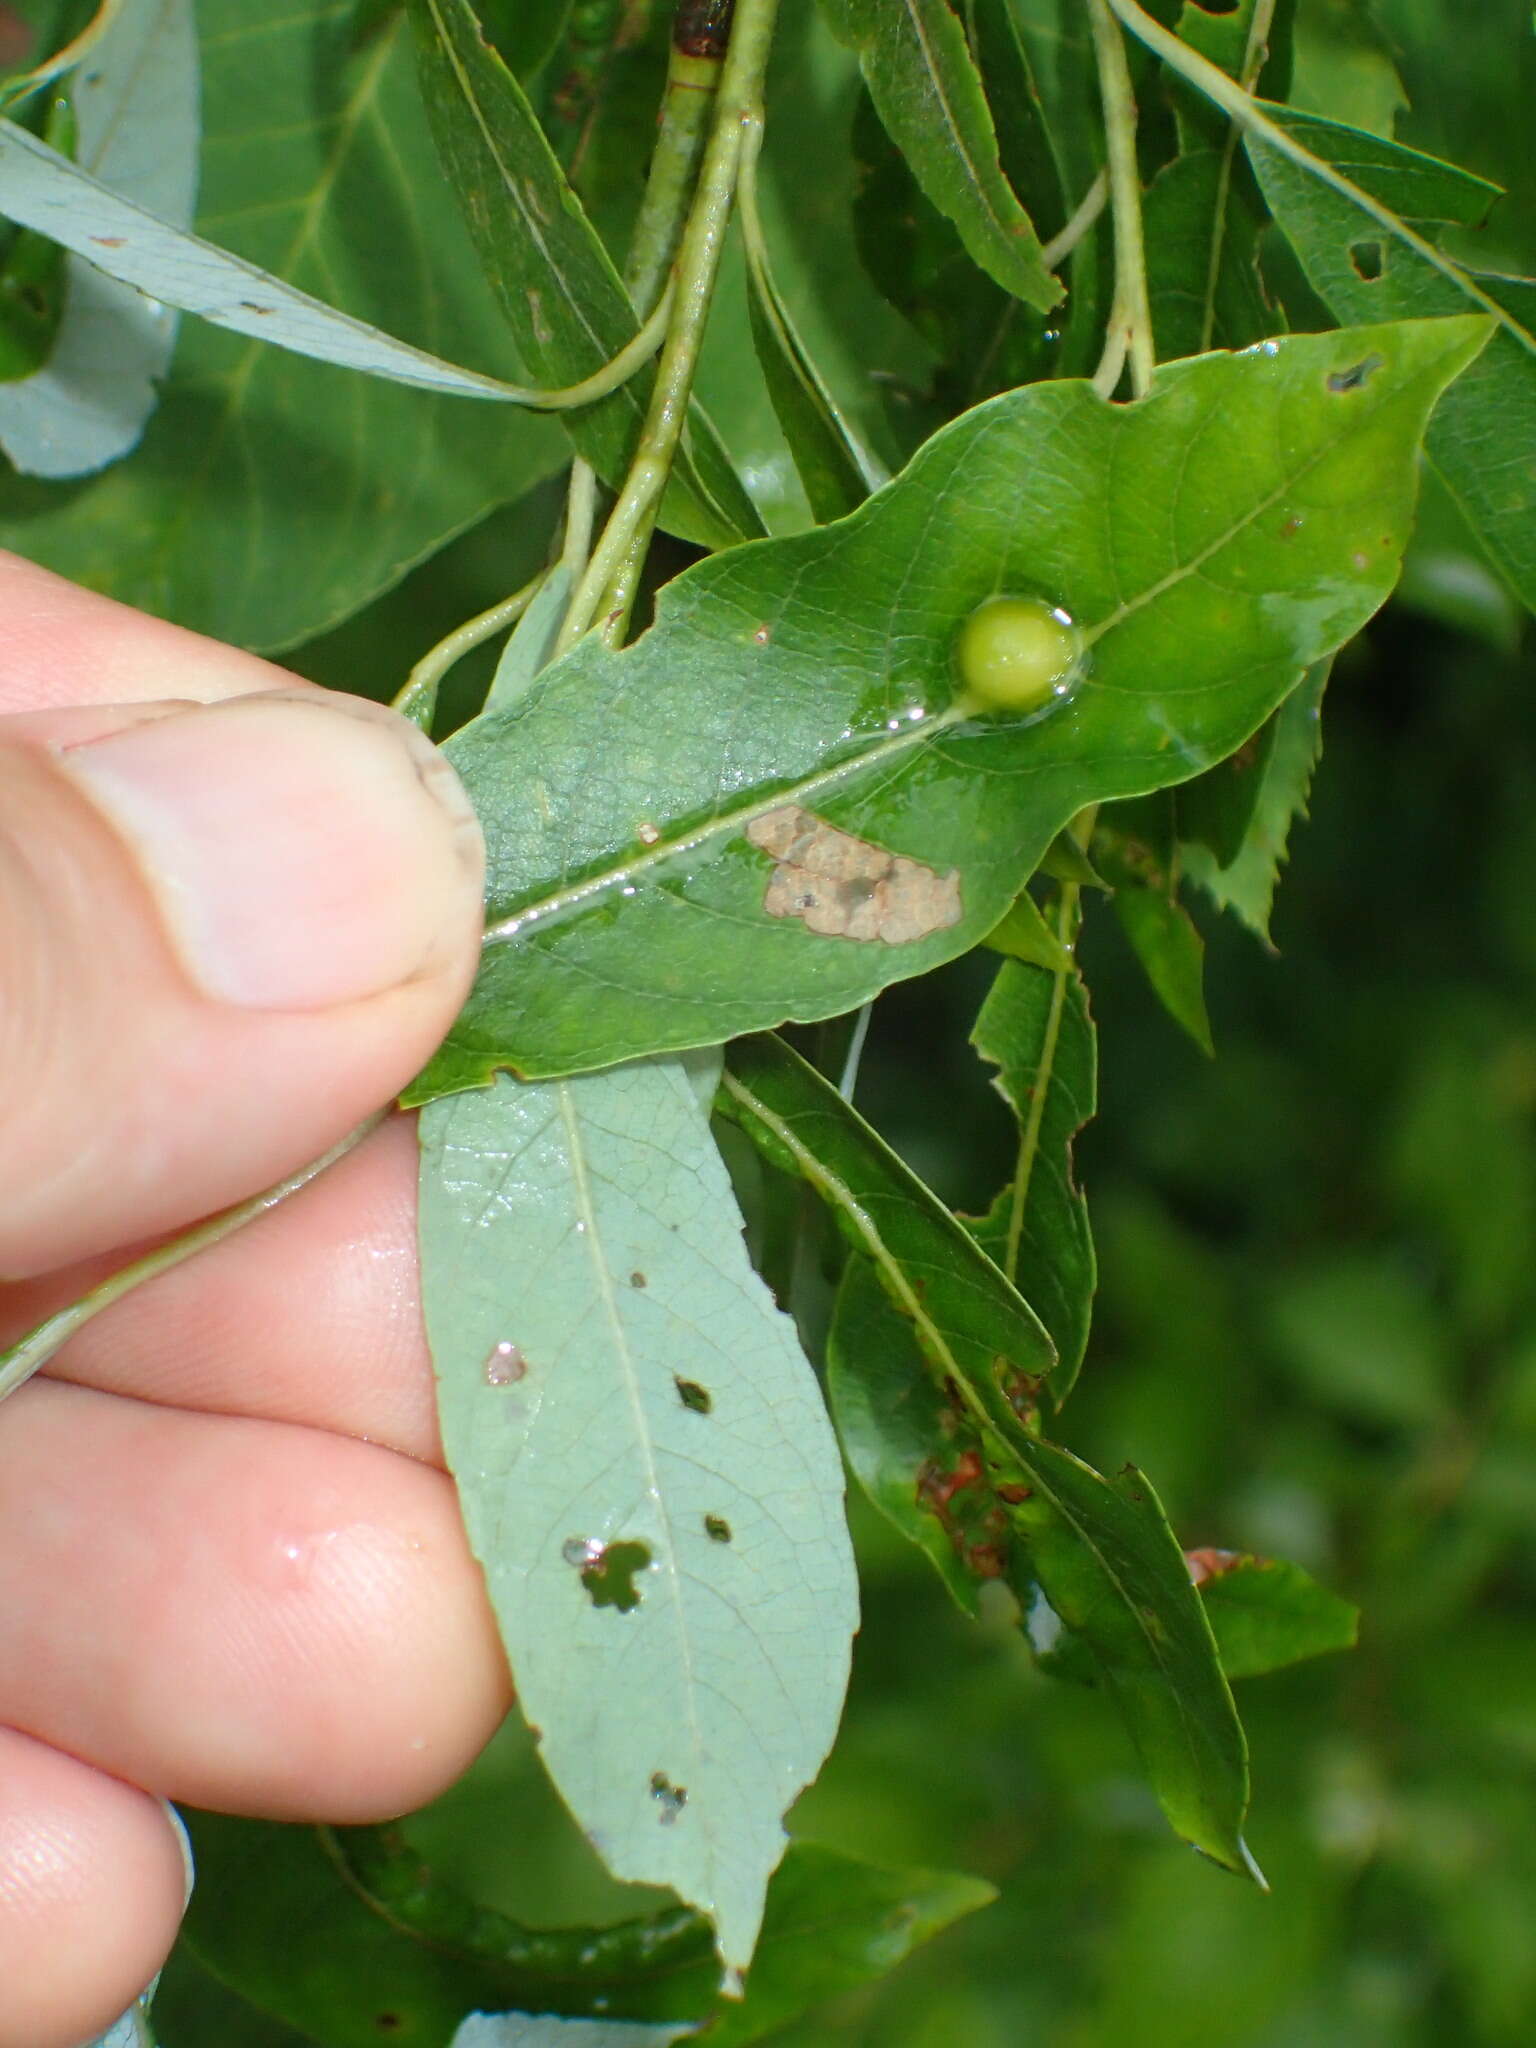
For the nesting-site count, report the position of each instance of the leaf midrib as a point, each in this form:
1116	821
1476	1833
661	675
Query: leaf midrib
602	1271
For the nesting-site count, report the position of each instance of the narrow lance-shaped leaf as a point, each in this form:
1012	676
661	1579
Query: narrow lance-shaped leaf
1202	213
335	1929
1112	1570
969	1320
923	80
1035	1028
938	1424
308	135
1246	883
531	641
564	300
911	1441
669	867
830	464
1481	440
135	105
156	257
1135	848
1216	810
646	1472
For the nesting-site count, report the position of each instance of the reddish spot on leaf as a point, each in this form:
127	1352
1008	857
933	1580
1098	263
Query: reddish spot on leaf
1207	1563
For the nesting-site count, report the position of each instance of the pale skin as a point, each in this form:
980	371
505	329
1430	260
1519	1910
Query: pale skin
231	1567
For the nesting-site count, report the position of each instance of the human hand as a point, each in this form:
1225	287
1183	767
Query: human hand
231	1566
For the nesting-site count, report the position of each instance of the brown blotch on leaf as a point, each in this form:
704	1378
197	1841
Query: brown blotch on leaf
843	888
1207	1563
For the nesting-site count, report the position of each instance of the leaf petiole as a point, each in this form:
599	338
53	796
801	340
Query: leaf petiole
29	1354
614	569
1130	315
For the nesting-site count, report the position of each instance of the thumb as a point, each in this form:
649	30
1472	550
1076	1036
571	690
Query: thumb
227	933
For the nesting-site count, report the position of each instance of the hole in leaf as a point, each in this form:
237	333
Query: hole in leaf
1355	376
1368	260
505	1365
671	1798
717	1528
693	1396
608	1570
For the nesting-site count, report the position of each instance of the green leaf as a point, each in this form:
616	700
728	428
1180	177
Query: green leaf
986	340
1266	1614
959	1474
646	1472
1481	438
1035	1028
526	32
969	1321
312	172
193	2008
930	1397
929	94
633	801
531	641
1202	213
1246	884
1201	220
1344	66
162	261
273	1920
831	466
564	300
1112	1570
1023	934
1216	809
135	108
1135	848
1023	137
1164	939
333	1927
911	1442
832	1924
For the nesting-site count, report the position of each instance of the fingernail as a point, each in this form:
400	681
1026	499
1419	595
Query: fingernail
184	1843
305	850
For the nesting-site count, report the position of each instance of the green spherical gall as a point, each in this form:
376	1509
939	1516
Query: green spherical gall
1017	654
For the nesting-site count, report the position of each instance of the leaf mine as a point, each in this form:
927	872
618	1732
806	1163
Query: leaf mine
841	887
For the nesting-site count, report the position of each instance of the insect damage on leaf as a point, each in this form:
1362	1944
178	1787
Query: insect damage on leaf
505	1365
844	888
